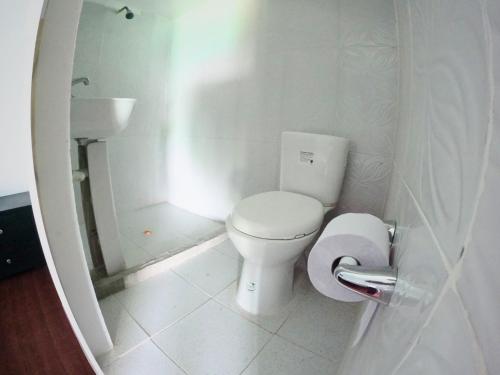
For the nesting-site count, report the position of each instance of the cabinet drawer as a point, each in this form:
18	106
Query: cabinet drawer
13	261
17	226
20	248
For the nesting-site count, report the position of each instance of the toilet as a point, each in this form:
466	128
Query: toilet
271	230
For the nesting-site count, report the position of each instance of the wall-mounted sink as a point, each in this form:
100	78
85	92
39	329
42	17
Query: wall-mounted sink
98	118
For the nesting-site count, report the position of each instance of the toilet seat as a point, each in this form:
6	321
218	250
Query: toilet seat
278	215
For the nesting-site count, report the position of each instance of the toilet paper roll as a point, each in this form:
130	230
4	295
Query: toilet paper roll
361	236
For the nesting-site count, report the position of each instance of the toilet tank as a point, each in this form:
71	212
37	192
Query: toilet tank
313	165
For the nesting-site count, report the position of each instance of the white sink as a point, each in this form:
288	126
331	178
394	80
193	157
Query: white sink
98	118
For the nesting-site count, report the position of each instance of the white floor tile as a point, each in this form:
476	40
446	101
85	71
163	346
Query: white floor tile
212	340
301	282
164	244
160	301
321	325
280	357
170	228
124	331
147	359
227	248
269	322
133	254
210	271
166	219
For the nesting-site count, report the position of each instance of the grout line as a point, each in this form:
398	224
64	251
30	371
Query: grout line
241	316
300	303
131	316
167	264
428	226
235	257
305	348
482	183
397	120
285	320
489	134
180	318
157	333
198	287
475	345
257	354
173	361
309	350
239	313
125	353
416	339
117	300
163	328
389	188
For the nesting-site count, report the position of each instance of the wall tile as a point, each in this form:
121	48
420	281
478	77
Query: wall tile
310	91
404	80
479	283
293	24
367	23
260	100
366	108
137	170
449	114
421	276
440	352
444	108
213	108
87	55
366	184
408	219
209	176
392	203
401	207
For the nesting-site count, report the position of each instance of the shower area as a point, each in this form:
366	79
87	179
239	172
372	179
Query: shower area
215	83
129	177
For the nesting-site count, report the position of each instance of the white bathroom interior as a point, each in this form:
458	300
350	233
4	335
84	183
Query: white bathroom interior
199	129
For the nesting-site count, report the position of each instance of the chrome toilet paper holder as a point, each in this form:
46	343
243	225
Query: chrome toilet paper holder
376	284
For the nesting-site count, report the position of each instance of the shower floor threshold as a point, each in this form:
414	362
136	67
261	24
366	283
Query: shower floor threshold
107	285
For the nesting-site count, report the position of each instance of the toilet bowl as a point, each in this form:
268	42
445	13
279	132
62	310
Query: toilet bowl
271	230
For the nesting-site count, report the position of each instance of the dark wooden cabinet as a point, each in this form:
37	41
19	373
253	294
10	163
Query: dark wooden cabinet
20	248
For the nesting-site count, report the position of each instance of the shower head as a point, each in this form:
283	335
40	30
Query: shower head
128	13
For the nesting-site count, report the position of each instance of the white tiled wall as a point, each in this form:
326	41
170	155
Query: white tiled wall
217	81
444	317
128	59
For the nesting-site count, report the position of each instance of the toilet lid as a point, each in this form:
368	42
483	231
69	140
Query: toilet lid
278	215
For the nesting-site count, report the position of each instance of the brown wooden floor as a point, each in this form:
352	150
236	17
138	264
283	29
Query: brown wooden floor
35	335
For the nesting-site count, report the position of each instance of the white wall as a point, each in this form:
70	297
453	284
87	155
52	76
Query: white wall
445	315
218	80
17	45
125	58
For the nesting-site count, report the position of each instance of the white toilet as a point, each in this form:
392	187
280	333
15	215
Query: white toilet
270	230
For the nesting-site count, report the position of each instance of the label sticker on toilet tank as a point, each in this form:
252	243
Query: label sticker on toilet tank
306	157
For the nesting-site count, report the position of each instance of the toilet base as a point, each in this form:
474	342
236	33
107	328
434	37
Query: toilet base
266	280
265	290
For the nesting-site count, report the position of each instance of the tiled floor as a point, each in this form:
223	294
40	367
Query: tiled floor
185	321
171	229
